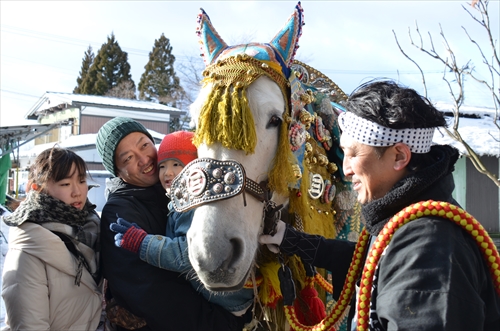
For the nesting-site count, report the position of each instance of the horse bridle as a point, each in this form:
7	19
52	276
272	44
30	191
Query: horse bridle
208	180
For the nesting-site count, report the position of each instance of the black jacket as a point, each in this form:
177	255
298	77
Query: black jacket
165	299
432	275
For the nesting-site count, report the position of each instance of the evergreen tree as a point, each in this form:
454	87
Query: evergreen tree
109	69
159	82
88	59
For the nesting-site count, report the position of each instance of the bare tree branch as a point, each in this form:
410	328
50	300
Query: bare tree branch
457	83
124	90
409	58
190	70
485	22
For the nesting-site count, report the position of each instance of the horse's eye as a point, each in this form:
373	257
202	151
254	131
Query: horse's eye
274	121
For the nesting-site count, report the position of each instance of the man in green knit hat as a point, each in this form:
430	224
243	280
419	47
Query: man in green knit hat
160	299
122	141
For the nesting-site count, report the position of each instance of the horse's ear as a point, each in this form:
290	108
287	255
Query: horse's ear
286	40
211	43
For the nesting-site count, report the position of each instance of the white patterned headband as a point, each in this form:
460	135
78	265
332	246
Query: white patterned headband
373	134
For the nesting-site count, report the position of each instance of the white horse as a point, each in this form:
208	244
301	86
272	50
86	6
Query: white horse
223	238
250	102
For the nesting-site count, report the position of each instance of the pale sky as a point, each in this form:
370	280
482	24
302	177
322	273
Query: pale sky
42	43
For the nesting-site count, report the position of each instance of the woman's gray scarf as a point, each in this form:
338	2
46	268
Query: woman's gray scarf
42	208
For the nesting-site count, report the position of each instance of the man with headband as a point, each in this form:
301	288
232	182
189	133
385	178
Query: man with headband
432	275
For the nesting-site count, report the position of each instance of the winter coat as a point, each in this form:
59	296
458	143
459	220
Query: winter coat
165	299
432	275
171	252
39	287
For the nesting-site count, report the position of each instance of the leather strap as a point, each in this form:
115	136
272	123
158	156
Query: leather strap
207	180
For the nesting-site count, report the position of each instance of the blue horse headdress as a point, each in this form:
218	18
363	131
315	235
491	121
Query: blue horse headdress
279	51
225	117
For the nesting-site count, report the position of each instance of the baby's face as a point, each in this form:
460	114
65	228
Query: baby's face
168	170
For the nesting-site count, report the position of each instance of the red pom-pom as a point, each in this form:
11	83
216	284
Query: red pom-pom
309	307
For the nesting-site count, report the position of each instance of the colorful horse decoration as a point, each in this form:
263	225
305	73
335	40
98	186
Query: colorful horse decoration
267	135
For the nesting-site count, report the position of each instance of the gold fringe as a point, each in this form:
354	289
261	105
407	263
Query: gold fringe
281	176
249	131
226	117
208	117
270	289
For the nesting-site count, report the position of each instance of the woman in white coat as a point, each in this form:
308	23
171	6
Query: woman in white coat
51	278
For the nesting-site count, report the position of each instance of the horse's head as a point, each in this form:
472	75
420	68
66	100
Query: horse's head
265	124
240	115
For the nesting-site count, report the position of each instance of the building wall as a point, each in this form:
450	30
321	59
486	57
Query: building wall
460	177
95	166
92	124
59	134
483	195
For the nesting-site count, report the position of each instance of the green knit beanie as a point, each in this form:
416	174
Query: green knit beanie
110	135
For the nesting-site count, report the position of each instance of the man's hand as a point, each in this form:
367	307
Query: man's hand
129	235
273	242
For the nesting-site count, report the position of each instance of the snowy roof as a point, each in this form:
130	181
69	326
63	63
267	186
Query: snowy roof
78	142
55	101
477	128
466	110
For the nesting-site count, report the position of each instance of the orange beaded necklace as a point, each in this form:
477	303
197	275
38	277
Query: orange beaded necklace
415	211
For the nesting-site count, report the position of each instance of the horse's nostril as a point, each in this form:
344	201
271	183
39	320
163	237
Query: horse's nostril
237	247
235	255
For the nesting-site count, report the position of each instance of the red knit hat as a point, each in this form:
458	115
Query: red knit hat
179	146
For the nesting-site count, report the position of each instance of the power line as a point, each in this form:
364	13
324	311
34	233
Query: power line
78	42
19	93
67	71
64	40
81	42
45	36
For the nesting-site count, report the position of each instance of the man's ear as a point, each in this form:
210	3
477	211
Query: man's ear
403	156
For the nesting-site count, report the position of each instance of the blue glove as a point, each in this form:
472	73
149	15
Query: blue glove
129	235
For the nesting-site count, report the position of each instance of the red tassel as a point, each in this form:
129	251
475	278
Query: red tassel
309	307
